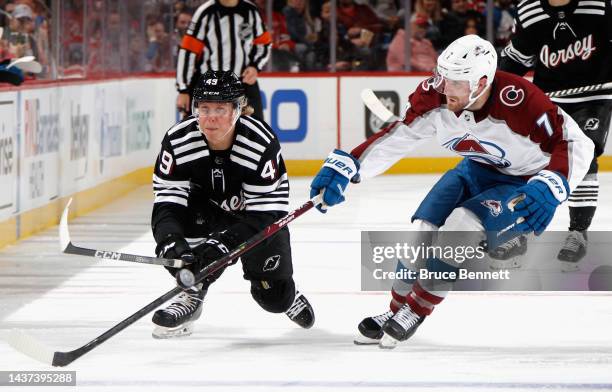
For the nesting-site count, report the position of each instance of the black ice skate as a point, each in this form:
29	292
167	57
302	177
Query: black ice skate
400	327
573	250
508	255
370	328
177	319
301	312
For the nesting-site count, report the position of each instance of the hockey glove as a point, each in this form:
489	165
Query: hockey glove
543	194
175	246
216	245
338	169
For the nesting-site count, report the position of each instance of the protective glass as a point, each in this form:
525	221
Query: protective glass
447	86
214	111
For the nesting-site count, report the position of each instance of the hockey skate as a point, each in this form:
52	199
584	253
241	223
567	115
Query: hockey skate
177	319
301	312
573	250
370	329
508	255
400	327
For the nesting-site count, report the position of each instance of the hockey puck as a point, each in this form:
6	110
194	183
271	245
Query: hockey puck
185	278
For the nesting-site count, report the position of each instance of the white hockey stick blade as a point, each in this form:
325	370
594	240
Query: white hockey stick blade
23	59
26	64
30	346
64	234
373	103
30	66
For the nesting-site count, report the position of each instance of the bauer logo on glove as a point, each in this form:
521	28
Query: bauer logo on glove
338	169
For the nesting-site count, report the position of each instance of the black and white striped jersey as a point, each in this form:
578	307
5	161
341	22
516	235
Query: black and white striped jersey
568	46
249	179
222	39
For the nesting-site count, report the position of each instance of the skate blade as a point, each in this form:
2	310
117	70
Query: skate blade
569	266
361	340
387	342
170	333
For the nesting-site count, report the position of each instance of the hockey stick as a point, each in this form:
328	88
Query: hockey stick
373	103
69	248
35	349
580	90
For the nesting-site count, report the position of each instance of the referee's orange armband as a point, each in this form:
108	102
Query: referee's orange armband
263	39
192	44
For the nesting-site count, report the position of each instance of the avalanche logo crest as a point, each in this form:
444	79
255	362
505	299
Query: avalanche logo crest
494	206
469	146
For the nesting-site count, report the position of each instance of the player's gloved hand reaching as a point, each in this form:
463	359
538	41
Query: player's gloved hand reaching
175	246
338	169
216	246
543	194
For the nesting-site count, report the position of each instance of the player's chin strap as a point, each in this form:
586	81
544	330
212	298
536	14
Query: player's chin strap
472	100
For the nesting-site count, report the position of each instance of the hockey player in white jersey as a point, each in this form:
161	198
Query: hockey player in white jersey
516	144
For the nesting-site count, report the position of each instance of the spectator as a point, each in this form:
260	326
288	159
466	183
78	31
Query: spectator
181	24
423	55
388	11
362	25
357	17
472	26
21	41
158	50
432	10
454	23
343	46
503	21
301	30
283	47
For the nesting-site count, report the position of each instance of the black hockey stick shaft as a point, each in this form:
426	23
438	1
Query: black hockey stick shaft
120	256
65	358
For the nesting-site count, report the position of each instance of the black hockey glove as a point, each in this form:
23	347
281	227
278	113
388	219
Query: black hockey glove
175	247
216	245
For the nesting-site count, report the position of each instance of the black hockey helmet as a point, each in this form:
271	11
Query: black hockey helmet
218	86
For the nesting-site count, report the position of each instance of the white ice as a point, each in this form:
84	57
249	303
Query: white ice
473	341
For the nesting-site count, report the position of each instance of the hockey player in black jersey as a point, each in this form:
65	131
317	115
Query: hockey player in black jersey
219	179
568	44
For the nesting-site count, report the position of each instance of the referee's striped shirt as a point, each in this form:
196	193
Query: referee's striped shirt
222	38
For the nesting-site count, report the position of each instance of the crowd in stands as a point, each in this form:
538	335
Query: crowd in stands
119	36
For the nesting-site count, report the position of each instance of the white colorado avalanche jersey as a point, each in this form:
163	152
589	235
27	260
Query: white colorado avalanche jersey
519	132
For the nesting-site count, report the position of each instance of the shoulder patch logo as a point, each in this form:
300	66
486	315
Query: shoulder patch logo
512	96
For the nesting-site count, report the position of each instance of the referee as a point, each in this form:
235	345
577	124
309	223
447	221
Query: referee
224	35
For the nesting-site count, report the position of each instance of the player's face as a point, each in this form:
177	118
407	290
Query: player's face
457	92
216	120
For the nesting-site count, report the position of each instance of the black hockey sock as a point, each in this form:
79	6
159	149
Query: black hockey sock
580	218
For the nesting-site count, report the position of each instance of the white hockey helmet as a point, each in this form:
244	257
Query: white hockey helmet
468	58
